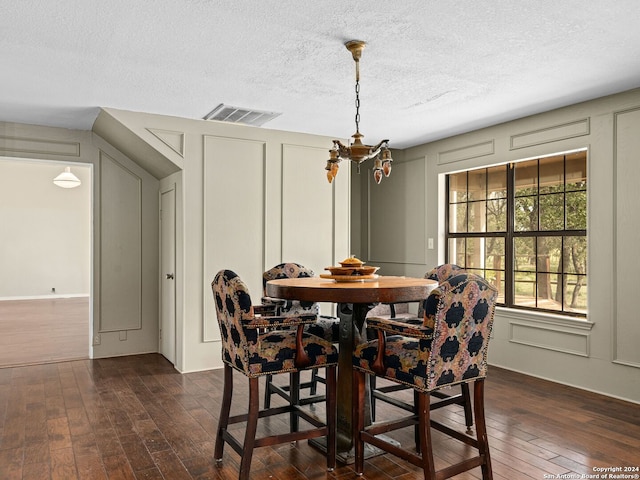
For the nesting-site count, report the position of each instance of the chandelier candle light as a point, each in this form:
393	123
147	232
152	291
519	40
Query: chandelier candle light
358	152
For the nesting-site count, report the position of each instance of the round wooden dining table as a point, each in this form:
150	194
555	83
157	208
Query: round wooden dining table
354	299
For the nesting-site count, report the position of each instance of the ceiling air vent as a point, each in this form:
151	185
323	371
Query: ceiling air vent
227	113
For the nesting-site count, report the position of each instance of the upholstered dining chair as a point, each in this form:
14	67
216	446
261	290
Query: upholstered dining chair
256	346
399	312
387	393
325	327
448	349
440	274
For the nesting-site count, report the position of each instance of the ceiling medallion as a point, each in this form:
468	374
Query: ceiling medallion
357	151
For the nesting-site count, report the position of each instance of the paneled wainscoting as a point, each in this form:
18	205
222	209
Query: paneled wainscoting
135	417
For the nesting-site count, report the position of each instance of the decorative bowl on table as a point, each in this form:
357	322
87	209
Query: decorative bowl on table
352	261
351	270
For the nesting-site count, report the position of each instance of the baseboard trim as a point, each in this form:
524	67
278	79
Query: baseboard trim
46	297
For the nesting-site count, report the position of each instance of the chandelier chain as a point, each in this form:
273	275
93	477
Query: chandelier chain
355	150
358	106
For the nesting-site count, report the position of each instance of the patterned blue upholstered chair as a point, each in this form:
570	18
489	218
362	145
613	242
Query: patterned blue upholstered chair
256	346
325	327
387	393
440	274
451	351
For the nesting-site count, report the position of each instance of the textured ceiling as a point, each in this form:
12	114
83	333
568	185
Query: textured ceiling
431	68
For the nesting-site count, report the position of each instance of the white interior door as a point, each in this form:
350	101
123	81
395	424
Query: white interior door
167	272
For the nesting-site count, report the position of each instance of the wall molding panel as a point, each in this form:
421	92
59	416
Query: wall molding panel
467	152
39	146
548	331
173	140
397	215
317	225
120	247
575	342
626	329
233	219
554	133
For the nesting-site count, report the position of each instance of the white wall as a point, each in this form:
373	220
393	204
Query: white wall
598	354
45	238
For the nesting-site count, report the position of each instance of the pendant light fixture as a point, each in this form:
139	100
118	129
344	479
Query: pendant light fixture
357	151
67	179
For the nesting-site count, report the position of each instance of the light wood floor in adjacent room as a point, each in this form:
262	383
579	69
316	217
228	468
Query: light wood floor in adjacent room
42	331
136	417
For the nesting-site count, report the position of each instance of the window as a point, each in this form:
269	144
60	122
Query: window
523	226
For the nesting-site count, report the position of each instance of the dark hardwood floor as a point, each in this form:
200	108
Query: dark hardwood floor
137	418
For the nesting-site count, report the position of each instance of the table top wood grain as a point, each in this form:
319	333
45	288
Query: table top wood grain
385	289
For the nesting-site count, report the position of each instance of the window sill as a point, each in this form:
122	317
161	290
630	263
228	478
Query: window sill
545	318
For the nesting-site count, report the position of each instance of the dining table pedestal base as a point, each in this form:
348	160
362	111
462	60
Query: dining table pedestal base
348	457
352	332
354	300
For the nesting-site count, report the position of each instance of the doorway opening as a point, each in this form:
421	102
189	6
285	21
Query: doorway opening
46	257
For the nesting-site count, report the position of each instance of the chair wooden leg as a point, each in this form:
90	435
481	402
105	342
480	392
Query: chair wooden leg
331	391
267	391
466	404
416	431
294	394
423	408
481	429
252	427
313	390
223	422
358	416
372	388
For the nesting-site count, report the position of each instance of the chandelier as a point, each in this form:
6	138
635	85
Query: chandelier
357	151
